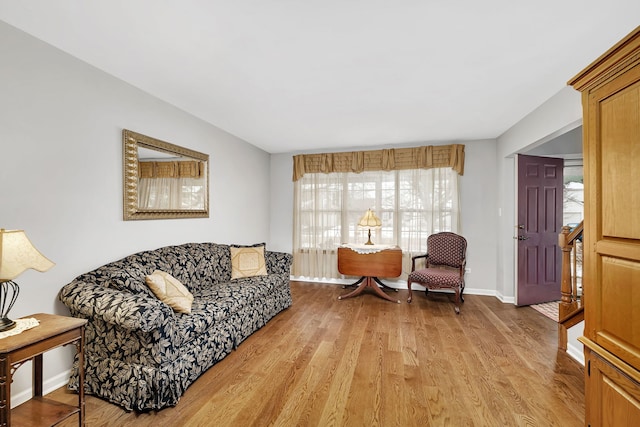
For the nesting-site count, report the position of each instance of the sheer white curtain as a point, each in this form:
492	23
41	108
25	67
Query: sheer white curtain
171	193
412	204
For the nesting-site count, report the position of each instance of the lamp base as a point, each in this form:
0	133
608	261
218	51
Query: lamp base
9	291
369	242
6	324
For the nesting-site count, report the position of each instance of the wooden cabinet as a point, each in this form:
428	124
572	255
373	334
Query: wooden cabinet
613	396
611	144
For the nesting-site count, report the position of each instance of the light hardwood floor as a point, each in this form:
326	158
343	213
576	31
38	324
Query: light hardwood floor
369	362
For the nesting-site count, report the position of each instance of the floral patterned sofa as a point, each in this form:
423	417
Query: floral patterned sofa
143	355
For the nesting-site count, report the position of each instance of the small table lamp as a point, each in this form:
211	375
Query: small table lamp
17	254
369	220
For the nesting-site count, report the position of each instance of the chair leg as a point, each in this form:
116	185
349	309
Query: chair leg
410	296
457	301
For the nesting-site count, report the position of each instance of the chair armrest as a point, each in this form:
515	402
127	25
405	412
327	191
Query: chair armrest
127	310
414	258
278	262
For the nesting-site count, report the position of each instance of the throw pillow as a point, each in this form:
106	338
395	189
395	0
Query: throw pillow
169	290
255	245
247	261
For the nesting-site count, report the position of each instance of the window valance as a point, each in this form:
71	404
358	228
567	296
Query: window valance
173	169
425	157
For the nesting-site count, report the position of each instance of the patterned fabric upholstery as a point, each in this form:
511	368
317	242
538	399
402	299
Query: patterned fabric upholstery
437	277
446	249
142	355
445	264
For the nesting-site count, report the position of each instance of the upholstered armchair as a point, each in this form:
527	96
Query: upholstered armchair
445	263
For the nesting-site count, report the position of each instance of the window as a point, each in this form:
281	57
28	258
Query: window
411	203
573	203
171	193
573	212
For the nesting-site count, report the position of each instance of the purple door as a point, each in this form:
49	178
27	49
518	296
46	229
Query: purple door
540	194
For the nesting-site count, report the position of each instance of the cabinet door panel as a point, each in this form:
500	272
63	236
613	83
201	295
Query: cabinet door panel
620	153
617	396
619	330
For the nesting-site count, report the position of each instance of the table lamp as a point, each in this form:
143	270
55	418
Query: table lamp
369	220
17	254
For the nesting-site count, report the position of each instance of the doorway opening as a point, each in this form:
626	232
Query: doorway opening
573	213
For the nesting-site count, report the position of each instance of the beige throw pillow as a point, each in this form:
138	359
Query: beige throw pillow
247	262
169	290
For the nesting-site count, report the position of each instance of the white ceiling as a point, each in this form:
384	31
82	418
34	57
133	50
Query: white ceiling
292	75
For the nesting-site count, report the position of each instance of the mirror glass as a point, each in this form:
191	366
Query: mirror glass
163	180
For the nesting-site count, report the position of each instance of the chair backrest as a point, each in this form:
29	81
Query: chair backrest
446	248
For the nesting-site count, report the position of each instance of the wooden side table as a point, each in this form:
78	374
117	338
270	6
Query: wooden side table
371	266
52	332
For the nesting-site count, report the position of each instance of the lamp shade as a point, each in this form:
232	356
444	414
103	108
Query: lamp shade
370	220
17	254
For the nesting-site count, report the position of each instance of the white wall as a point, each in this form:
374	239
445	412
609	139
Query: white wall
281	191
478	203
477	198
557	116
61	176
575	348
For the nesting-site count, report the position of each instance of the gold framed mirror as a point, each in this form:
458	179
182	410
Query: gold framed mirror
163	180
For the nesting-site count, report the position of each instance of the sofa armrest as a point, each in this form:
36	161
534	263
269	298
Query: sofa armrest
278	262
127	310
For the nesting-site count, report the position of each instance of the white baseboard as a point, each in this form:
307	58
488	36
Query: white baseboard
396	284
505	299
575	353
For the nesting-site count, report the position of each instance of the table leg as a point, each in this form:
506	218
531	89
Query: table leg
378	281
368	283
5	391
37	375
81	403
379	292
354	283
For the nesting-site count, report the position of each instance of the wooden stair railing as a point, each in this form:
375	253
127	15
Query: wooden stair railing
570	310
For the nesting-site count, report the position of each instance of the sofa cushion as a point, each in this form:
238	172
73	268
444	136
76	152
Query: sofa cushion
247	261
127	276
169	290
